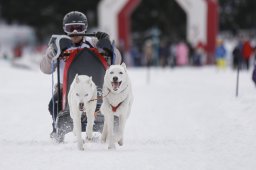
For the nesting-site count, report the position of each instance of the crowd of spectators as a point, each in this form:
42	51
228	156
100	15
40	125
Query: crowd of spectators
229	52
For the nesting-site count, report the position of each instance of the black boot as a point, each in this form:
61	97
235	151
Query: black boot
57	136
53	133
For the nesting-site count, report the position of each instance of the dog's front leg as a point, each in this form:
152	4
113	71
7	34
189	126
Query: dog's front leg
120	134
104	131
89	126
104	110
110	134
122	120
78	131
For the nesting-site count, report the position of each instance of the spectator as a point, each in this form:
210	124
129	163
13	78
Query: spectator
148	52
182	54
136	56
237	55
220	54
172	54
163	54
246	53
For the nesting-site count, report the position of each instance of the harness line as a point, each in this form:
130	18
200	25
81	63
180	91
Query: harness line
98	98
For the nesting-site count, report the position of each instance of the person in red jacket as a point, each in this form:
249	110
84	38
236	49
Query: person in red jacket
246	53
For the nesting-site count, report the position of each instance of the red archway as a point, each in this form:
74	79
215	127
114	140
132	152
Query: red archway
124	22
212	28
115	18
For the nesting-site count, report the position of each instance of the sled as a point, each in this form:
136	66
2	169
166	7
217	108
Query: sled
85	61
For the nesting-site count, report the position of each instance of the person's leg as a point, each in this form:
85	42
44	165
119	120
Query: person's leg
54	107
247	64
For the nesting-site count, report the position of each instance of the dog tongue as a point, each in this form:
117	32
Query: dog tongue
115	85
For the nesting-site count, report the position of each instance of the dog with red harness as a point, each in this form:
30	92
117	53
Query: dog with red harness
117	102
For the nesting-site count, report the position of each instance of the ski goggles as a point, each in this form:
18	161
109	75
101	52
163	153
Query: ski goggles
75	28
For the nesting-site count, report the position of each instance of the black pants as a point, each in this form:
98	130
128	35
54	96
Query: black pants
247	63
55	108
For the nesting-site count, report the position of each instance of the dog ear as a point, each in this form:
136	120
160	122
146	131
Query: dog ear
90	80
77	78
124	66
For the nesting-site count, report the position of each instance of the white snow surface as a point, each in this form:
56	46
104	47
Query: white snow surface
182	119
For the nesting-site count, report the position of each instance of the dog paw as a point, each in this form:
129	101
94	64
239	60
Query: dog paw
88	138
103	140
111	147
120	142
80	147
89	135
75	132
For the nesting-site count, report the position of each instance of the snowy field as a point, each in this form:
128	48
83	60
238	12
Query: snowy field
183	119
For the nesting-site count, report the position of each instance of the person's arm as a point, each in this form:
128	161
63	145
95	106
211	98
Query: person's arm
118	57
46	62
103	41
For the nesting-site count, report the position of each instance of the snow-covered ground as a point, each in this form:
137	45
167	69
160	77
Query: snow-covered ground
183	119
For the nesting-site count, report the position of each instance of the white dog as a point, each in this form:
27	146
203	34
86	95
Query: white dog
81	97
117	100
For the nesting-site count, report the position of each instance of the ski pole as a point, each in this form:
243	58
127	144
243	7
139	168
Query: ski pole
237	77
148	64
88	35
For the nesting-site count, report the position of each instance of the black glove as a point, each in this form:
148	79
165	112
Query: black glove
101	35
106	45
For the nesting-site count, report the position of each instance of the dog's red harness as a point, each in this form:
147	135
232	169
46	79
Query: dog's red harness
114	108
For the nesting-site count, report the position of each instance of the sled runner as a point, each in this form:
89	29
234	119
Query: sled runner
84	61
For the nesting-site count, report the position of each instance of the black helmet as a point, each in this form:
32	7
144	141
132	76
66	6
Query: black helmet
75	22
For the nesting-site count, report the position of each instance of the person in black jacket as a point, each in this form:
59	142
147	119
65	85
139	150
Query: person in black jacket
74	25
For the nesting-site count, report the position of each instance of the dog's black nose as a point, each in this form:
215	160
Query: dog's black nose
81	106
115	78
